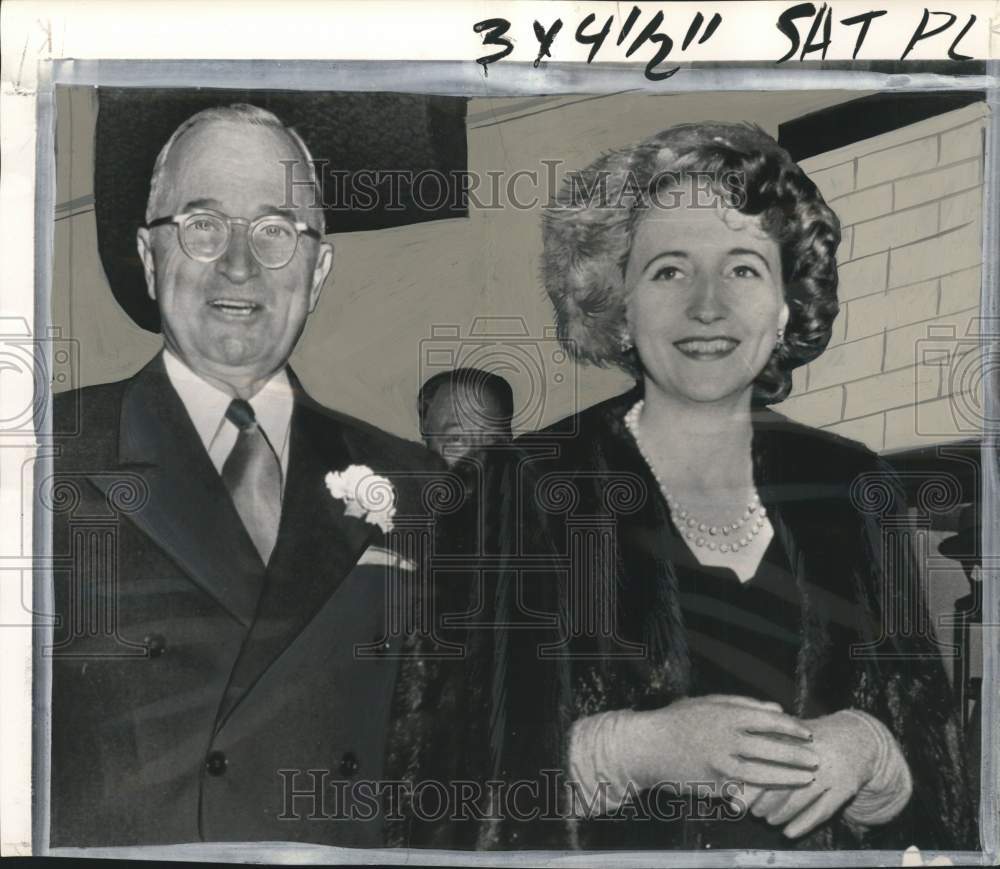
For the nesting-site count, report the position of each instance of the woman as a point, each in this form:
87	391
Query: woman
691	607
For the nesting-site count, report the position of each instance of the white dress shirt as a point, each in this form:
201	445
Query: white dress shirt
206	405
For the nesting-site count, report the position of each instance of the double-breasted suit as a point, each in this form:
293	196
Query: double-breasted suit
198	694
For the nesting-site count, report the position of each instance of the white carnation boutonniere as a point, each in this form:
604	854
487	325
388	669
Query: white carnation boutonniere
366	495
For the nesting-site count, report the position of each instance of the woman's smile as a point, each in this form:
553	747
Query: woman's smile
707	349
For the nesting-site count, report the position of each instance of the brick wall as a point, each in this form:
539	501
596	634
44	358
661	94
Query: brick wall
900	368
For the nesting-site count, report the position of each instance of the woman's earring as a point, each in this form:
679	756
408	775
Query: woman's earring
781	336
625	341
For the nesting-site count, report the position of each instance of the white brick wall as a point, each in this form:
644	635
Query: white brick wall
863	276
910	204
895	230
936	184
871	315
864	204
898	162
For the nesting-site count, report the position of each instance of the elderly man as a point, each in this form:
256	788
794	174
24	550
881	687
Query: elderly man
222	669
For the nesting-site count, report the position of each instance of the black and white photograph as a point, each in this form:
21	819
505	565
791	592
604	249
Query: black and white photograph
447	474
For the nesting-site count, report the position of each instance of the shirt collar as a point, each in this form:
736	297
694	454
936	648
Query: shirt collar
273	407
206	404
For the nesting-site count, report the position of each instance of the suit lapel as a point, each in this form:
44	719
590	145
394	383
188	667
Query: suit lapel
318	546
189	513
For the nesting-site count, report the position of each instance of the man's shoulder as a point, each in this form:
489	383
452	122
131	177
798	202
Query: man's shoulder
94	401
370	444
86	421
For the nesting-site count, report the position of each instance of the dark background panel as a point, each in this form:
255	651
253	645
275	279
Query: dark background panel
864	118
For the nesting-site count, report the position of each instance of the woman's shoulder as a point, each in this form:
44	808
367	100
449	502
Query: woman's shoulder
579	434
793	443
596	418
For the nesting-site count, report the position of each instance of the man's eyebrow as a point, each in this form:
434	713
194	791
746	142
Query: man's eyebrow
277	209
208	202
200	203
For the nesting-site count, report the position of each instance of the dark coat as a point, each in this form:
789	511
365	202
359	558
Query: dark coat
588	618
191	686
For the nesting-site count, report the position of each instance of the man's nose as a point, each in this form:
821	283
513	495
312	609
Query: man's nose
707	304
238	263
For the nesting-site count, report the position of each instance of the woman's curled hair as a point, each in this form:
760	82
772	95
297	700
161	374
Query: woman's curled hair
588	233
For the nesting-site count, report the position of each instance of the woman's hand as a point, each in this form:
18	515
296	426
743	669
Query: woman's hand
720	738
847	755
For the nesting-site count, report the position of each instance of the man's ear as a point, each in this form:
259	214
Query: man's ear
145	248
324	263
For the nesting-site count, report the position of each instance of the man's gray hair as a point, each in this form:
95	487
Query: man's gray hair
237	113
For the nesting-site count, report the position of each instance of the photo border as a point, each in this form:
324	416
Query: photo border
504	80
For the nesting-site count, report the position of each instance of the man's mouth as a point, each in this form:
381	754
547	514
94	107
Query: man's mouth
235	307
713	347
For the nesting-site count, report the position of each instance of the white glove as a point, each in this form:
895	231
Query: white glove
860	766
718	738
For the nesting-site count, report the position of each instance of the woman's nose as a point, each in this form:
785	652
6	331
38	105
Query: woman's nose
706	303
238	263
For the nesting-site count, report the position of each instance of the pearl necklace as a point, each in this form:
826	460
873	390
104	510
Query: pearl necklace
700	533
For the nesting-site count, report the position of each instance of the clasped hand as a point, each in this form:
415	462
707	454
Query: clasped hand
796	773
847	759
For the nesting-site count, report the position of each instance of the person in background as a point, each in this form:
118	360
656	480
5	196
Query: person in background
463	410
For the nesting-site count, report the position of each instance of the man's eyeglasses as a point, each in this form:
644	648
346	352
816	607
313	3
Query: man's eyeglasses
205	235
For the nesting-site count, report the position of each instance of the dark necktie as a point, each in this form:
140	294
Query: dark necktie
252	474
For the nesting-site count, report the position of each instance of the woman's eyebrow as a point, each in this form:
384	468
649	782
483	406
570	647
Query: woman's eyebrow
675	253
745	251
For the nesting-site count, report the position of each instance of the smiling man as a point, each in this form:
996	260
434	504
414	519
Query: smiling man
222	670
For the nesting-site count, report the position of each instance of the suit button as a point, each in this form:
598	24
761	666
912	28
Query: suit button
156	645
349	764
216	763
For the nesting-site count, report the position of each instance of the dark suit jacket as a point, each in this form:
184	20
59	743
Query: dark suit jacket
193	688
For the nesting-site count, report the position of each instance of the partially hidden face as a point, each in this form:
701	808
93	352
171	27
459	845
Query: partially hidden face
232	318
705	299
460	420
